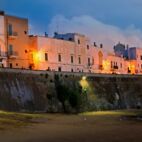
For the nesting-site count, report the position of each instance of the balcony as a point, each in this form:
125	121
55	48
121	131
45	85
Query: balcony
12	35
12	54
114	67
3	55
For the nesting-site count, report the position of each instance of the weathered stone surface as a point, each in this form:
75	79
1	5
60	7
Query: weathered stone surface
35	91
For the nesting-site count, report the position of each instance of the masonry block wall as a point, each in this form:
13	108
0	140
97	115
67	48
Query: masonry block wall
30	90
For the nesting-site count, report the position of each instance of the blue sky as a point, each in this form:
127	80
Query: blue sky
120	14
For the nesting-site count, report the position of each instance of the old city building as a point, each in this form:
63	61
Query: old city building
71	52
14	41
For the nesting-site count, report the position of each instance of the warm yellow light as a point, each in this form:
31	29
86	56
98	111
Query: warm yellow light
84	83
106	65
37	57
87	88
132	68
84	78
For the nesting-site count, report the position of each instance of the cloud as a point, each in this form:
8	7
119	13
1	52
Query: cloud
97	31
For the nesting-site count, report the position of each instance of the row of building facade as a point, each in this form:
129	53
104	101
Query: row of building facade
71	52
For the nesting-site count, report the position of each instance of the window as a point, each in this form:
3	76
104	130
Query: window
79	60
113	63
59	69
141	57
10	49
26	51
10	29
59	57
88	47
25	32
71	70
78	41
17	64
10	65
89	63
71	58
46	56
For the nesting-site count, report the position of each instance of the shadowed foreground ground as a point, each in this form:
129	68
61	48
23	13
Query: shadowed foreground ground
88	127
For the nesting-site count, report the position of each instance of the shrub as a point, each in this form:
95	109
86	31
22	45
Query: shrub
63	95
75	99
46	75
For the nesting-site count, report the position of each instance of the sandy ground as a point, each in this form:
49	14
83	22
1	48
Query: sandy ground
77	128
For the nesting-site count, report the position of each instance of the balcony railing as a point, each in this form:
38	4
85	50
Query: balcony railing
3	55
12	54
114	67
12	35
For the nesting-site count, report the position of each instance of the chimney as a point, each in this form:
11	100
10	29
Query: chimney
95	44
2	12
46	35
127	47
55	33
101	45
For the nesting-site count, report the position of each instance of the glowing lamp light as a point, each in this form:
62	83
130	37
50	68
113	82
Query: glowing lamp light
84	78
84	83
106	65
37	57
132	68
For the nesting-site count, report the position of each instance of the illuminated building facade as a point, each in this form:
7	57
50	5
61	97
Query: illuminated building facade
135	59
14	41
3	57
74	54
71	52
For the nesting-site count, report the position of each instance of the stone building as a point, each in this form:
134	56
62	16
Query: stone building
14	41
71	52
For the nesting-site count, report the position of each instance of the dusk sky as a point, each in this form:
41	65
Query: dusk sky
110	18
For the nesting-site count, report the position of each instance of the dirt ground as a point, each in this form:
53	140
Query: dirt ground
95	127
